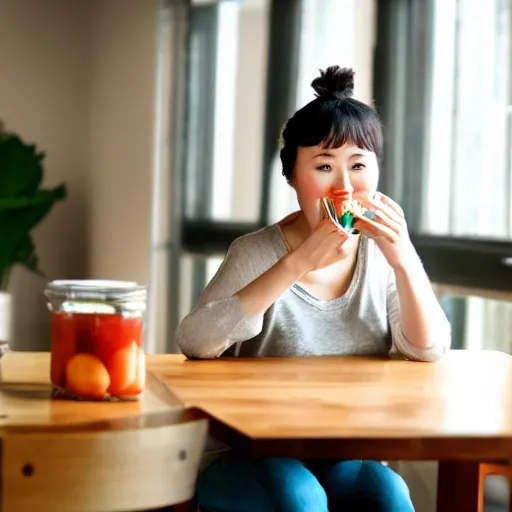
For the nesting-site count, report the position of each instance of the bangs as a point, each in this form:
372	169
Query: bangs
349	122
330	124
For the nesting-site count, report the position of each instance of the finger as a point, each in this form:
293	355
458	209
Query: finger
382	218
333	243
379	196
377	207
375	233
330	234
336	239
332	227
327	226
374	229
339	242
341	234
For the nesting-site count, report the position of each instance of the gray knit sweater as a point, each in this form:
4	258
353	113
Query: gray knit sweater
365	320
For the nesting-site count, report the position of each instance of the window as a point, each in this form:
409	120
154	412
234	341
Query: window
442	85
478	322
438	72
248	67
468	168
220	169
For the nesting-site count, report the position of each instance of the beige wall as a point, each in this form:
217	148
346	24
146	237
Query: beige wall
43	97
123	40
77	78
250	109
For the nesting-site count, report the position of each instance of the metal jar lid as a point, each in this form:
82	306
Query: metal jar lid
96	290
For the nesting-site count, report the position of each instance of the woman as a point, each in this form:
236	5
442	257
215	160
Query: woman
306	287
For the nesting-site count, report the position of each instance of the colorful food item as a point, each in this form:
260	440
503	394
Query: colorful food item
112	333
87	377
96	338
64	346
127	371
343	209
103	345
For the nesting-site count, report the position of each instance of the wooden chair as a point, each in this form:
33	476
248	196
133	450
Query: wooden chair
152	466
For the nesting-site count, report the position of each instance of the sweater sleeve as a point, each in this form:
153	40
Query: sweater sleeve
218	320
401	345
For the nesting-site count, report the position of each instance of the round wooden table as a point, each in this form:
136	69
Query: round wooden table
62	455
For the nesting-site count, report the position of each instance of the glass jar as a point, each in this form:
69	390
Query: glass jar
96	338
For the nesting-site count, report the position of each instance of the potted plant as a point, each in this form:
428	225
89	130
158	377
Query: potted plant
23	205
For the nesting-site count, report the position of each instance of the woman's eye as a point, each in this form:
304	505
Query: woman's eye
358	167
324	168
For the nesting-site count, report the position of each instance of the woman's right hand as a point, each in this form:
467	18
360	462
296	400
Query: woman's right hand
322	247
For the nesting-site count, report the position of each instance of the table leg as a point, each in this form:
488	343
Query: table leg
460	487
461	484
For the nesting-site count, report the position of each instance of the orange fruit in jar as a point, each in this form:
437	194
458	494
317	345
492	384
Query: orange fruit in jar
87	377
113	333
63	345
127	369
138	384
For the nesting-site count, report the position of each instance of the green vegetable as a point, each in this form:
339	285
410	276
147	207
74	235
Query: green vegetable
346	220
347	223
23	204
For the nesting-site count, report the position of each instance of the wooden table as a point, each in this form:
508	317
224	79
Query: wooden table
62	455
25	400
457	411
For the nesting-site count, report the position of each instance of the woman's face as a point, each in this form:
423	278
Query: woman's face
319	171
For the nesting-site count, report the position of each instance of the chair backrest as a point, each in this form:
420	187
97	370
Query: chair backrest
110	470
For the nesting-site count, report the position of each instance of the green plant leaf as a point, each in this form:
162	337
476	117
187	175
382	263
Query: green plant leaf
16	224
26	255
41	196
21	169
22	203
4	279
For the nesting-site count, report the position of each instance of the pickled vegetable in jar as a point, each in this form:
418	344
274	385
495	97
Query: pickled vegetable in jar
96	339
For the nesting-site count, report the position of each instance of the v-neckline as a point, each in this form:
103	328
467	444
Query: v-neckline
337	302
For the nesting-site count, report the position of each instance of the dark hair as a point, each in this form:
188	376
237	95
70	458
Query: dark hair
331	119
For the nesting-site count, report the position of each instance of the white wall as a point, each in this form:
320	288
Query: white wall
77	78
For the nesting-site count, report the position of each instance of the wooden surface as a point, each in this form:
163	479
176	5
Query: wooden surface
456	409
128	470
70	456
25	402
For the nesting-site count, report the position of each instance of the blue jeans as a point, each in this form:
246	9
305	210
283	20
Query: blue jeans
287	485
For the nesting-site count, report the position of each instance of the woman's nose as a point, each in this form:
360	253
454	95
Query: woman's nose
342	187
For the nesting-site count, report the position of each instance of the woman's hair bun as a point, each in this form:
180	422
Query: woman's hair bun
334	83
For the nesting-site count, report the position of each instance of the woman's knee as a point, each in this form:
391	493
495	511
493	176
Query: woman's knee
386	487
291	485
264	485
383	476
231	485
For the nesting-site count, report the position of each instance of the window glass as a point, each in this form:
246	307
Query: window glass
467	187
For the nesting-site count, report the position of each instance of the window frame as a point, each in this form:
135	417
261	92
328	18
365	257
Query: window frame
477	263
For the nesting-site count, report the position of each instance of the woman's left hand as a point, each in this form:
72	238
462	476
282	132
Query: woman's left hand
388	228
